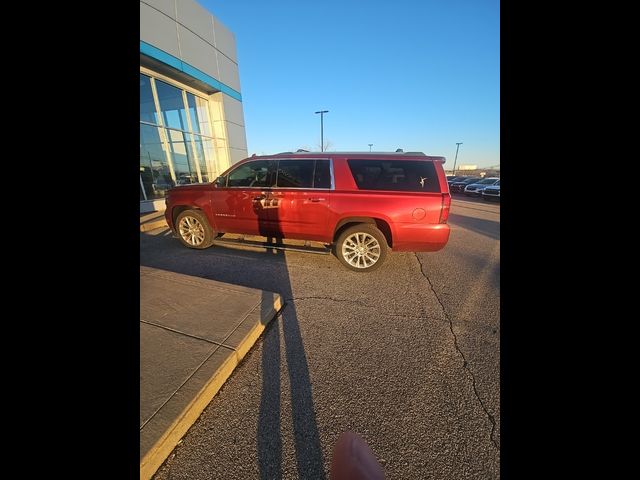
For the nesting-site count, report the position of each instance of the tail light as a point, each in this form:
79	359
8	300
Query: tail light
444	208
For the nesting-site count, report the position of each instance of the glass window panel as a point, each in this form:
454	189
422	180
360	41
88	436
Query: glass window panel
258	174
171	106
397	175
209	159
199	150
142	193
198	109
185	154
295	173
182	157
191	100
147	107
322	178
154	170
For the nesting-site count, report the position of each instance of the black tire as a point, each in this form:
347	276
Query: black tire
193	229
346	245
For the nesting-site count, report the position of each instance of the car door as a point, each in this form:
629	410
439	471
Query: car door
242	204
301	198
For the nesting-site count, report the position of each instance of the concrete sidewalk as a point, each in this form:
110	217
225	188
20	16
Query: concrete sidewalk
193	333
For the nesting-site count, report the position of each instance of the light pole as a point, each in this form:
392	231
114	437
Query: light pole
322	112
454	162
370	145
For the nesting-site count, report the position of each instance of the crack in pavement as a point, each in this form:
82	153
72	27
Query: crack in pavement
465	364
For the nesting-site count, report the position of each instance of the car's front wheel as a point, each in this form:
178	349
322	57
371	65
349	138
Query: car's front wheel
194	230
361	248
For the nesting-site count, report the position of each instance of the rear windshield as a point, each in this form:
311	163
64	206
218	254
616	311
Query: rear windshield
395	175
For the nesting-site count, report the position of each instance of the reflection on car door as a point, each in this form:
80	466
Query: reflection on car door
241	206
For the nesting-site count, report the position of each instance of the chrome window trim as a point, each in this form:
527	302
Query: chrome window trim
333	183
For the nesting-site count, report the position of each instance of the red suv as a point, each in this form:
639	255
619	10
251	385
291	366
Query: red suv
357	204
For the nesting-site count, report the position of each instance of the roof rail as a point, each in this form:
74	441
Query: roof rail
300	150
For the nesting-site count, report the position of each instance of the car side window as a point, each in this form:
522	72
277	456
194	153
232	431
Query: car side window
322	174
295	174
258	174
395	175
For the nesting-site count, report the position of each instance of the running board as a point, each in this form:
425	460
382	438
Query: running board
277	246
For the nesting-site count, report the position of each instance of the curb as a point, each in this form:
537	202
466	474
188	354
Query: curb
145	227
157	454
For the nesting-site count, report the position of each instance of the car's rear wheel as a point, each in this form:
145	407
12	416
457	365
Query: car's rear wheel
361	248
194	230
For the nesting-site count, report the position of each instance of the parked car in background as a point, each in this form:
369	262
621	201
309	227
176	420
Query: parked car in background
492	192
475	189
185	179
360	205
457	178
458	186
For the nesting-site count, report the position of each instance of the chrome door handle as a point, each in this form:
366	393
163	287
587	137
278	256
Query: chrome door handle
316	199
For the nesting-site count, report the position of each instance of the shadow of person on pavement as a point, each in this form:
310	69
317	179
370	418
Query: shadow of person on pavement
267	271
309	459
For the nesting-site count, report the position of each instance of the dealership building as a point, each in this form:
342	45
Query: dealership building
191	117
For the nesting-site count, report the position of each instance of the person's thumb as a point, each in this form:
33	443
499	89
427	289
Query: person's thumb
353	460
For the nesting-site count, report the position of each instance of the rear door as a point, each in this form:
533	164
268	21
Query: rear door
302	199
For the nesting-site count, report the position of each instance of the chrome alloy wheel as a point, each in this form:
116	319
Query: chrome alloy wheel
361	250
191	230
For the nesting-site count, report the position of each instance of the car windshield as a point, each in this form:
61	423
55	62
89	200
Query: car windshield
487	181
471	180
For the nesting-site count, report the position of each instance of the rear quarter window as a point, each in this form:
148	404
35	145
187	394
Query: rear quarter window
395	175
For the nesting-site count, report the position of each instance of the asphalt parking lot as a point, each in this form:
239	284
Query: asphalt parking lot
407	356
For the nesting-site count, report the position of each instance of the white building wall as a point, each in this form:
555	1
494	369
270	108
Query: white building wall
187	31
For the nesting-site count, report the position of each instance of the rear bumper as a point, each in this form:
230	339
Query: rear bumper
413	237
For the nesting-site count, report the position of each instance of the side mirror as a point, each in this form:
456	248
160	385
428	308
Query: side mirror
220	182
